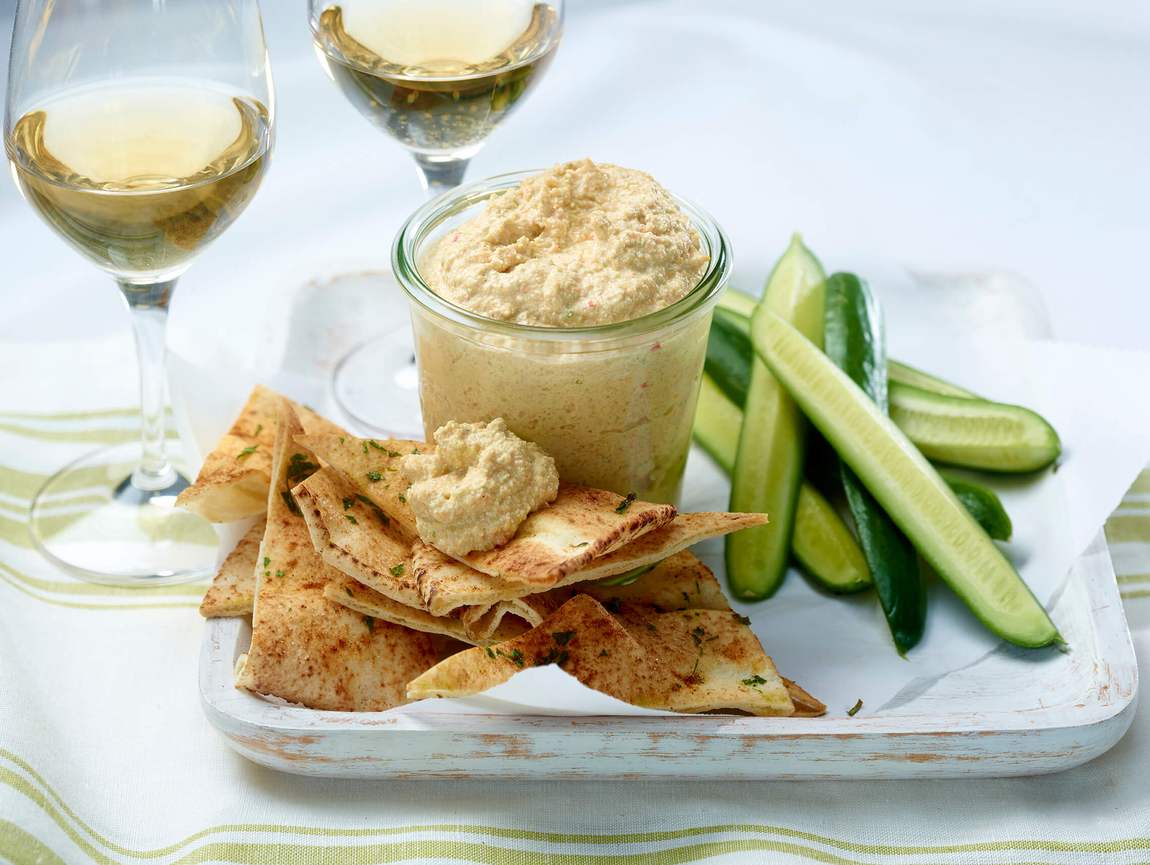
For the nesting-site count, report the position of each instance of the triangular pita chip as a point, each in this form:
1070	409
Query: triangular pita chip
356	596
582	524
306	649
485	625
806	706
685	661
445	585
233	588
351	533
372	466
233	481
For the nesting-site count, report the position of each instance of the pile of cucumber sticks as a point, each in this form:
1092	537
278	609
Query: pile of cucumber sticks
811	353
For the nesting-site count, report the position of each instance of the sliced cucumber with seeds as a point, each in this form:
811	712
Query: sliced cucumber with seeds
717	424
738	302
822	543
772	441
974	433
854	342
904	373
904	483
825	548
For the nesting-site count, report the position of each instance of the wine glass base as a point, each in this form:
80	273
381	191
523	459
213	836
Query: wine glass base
377	385
91	521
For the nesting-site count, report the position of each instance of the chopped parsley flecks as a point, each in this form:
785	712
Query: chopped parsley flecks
259	428
374	476
246	452
754	681
398	570
279	573
289	500
267	561
370	622
403	498
351	519
348	503
490	652
622	507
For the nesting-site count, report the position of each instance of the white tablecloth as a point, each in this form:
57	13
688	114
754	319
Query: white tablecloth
979	136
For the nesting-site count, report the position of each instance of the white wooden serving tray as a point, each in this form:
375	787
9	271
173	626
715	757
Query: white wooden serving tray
1012	713
1000	711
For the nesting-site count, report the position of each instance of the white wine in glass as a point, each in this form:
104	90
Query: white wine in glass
438	76
139	132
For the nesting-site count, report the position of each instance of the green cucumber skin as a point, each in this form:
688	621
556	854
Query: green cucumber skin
769	461
728	349
927	416
984	505
963	432
931	515
853	340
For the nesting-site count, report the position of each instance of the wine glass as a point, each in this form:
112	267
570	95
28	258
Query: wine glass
139	131
438	76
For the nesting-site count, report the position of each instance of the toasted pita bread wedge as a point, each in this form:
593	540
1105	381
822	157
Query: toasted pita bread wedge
806	706
353	534
356	596
304	648
233	481
685	661
582	524
233	588
445	585
484	624
679	582
372	466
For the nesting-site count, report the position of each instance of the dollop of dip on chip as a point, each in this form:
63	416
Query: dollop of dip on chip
478	486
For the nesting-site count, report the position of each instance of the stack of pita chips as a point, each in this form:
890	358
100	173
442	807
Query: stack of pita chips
351	610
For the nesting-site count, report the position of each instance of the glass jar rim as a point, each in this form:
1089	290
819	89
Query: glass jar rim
417	227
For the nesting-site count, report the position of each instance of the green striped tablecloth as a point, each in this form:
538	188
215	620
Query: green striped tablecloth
105	756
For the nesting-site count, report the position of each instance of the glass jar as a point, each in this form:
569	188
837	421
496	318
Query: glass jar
613	404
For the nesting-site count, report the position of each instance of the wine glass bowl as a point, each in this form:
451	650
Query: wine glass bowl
138	131
437	76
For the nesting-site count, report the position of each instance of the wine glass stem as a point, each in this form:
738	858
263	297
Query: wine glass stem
438	174
149	306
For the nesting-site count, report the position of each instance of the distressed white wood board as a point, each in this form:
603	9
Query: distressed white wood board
1010	714
978	720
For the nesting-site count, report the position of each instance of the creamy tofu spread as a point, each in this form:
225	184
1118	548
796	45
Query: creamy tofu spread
478	486
580	244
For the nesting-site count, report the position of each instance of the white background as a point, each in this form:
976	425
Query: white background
975	135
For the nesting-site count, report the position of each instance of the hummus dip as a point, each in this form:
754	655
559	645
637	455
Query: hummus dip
577	246
478	486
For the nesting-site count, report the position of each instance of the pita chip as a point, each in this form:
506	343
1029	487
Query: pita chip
233	588
356	596
685	660
306	649
444	584
233	481
353	534
372	466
